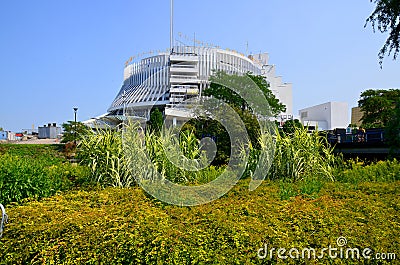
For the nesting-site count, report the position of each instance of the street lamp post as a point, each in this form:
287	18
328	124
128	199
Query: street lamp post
75	111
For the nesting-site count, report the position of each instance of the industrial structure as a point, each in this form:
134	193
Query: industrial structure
49	131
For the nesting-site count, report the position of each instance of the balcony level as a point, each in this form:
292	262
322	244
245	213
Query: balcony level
177	68
183	58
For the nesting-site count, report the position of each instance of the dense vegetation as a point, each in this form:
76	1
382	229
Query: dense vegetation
381	109
310	198
124	226
35	171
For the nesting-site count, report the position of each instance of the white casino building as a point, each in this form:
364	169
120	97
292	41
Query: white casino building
167	79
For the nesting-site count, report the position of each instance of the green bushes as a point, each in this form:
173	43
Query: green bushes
356	172
22	178
47	154
35	171
308	188
123	226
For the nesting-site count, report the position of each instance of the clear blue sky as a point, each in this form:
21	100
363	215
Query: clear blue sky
59	54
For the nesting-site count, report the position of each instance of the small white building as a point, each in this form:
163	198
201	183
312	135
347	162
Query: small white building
11	136
327	116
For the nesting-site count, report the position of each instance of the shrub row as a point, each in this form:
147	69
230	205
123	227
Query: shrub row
123	226
29	171
356	172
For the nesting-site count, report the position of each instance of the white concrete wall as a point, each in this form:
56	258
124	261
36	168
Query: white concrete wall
327	116
282	91
340	115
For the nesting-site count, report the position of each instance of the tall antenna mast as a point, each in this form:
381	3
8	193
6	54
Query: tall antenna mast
172	26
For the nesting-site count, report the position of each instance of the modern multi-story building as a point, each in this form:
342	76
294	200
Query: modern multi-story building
168	79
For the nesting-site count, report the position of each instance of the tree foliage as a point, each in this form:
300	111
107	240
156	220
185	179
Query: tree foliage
211	128
378	107
227	95
156	120
290	126
69	129
386	17
393	128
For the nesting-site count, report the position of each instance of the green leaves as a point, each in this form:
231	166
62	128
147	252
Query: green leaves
386	17
301	156
23	177
74	129
378	107
240	83
123	226
103	153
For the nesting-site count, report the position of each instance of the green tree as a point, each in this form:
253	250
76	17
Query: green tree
227	95
393	129
206	127
378	107
289	127
156	120
1	129
69	129
386	17
212	128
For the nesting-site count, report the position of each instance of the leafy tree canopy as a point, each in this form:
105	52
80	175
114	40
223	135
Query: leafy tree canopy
289	127
212	128
69	131
156	120
393	128
227	95
386	17
378	107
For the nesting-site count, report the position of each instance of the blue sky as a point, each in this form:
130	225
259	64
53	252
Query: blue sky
56	55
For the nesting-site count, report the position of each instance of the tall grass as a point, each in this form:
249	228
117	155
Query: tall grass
301	155
103	153
179	157
120	157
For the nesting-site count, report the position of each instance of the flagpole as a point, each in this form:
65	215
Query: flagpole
172	26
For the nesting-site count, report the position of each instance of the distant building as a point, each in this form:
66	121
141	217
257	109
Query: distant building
327	116
51	131
11	136
3	135
356	116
